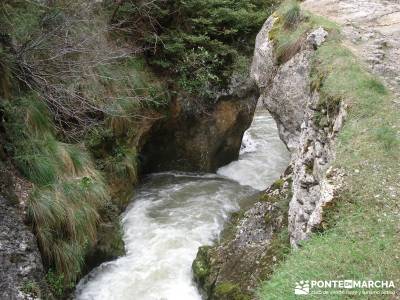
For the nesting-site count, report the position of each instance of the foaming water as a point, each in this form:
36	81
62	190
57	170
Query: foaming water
174	213
262	156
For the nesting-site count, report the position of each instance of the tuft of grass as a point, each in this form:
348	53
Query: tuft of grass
31	288
291	16
124	88
291	28
56	283
6	66
389	137
26	14
361	240
68	190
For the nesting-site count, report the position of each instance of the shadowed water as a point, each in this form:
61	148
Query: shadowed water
174	213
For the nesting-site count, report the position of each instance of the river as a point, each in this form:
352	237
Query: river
173	213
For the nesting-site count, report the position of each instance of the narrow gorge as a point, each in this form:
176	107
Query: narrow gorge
173	213
213	149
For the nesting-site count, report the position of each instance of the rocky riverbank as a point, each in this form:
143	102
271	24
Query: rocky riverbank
300	87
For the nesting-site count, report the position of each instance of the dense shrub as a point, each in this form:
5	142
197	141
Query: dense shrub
196	40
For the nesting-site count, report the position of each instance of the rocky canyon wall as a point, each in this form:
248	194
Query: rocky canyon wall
292	208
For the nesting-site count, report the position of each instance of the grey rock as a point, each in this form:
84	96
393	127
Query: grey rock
317	37
244	256
285	92
21	268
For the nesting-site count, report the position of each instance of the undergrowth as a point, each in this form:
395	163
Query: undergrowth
361	240
195	42
68	191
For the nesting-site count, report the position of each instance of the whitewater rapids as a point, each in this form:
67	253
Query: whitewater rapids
174	213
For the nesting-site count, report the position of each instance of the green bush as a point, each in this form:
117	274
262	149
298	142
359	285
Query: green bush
196	41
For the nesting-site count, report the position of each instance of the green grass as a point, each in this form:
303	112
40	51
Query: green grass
32	289
125	87
291	27
68	191
292	15
80	182
361	239
26	14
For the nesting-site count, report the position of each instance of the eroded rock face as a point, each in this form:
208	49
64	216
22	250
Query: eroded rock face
197	137
286	93
21	269
295	202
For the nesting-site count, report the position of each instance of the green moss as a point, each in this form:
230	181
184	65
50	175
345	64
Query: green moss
229	291
110	241
276	254
278	184
200	266
229	230
31	288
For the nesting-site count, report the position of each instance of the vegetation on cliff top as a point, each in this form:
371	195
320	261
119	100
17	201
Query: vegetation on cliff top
200	43
360	240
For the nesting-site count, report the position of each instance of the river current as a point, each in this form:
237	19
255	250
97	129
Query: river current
173	213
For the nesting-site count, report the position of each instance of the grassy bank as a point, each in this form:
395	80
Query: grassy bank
361	237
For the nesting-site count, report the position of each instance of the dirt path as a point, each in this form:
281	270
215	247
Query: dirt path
372	32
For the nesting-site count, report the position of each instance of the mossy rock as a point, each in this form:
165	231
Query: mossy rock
110	245
229	291
278	184
200	266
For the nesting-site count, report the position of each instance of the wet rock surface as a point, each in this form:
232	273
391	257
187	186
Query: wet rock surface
21	269
247	251
198	137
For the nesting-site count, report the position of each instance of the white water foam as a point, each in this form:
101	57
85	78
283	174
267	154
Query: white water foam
262	155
